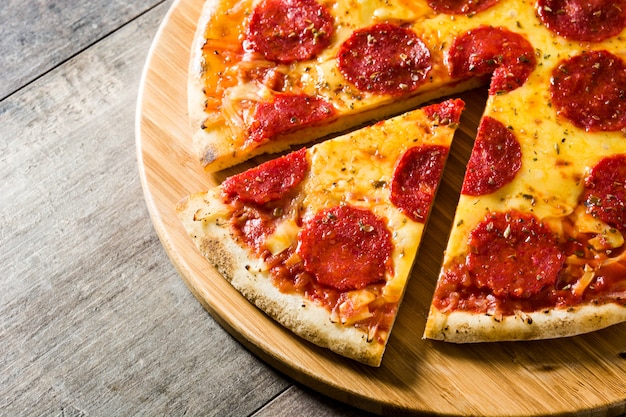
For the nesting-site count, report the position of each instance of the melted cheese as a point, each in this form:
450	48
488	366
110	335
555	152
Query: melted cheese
222	69
362	177
284	236
229	88
354	307
357	169
555	153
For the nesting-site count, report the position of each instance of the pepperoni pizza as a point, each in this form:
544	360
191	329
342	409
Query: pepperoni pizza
323	239
537	246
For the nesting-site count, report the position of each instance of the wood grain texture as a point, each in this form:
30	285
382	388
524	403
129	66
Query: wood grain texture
299	401
581	375
54	31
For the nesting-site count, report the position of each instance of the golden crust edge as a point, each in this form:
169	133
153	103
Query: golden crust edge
297	314
195	87
464	327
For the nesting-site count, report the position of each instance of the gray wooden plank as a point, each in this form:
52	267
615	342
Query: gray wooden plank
302	401
37	35
94	320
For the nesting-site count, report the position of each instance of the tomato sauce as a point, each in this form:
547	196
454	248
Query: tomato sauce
341	250
604	270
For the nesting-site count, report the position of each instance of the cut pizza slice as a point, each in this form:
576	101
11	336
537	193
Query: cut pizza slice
323	239
537	248
265	75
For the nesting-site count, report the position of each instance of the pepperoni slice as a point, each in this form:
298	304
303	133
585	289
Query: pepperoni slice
513	254
583	20
285	112
445	113
495	160
384	59
415	180
285	31
492	50
590	91
269	181
463	7
346	248
605	191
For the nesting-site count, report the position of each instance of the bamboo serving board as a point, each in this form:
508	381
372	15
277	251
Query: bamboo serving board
582	375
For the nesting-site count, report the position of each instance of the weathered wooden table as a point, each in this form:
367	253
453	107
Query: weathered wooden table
94	319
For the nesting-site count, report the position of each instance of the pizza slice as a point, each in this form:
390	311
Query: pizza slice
265	75
537	248
323	239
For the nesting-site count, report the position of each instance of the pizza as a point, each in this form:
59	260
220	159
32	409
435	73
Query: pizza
323	239
536	249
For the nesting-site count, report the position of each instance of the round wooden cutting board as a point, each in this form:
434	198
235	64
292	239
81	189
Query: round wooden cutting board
581	375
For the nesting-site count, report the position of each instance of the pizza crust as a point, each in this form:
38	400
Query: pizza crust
465	327
216	152
296	313
195	86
